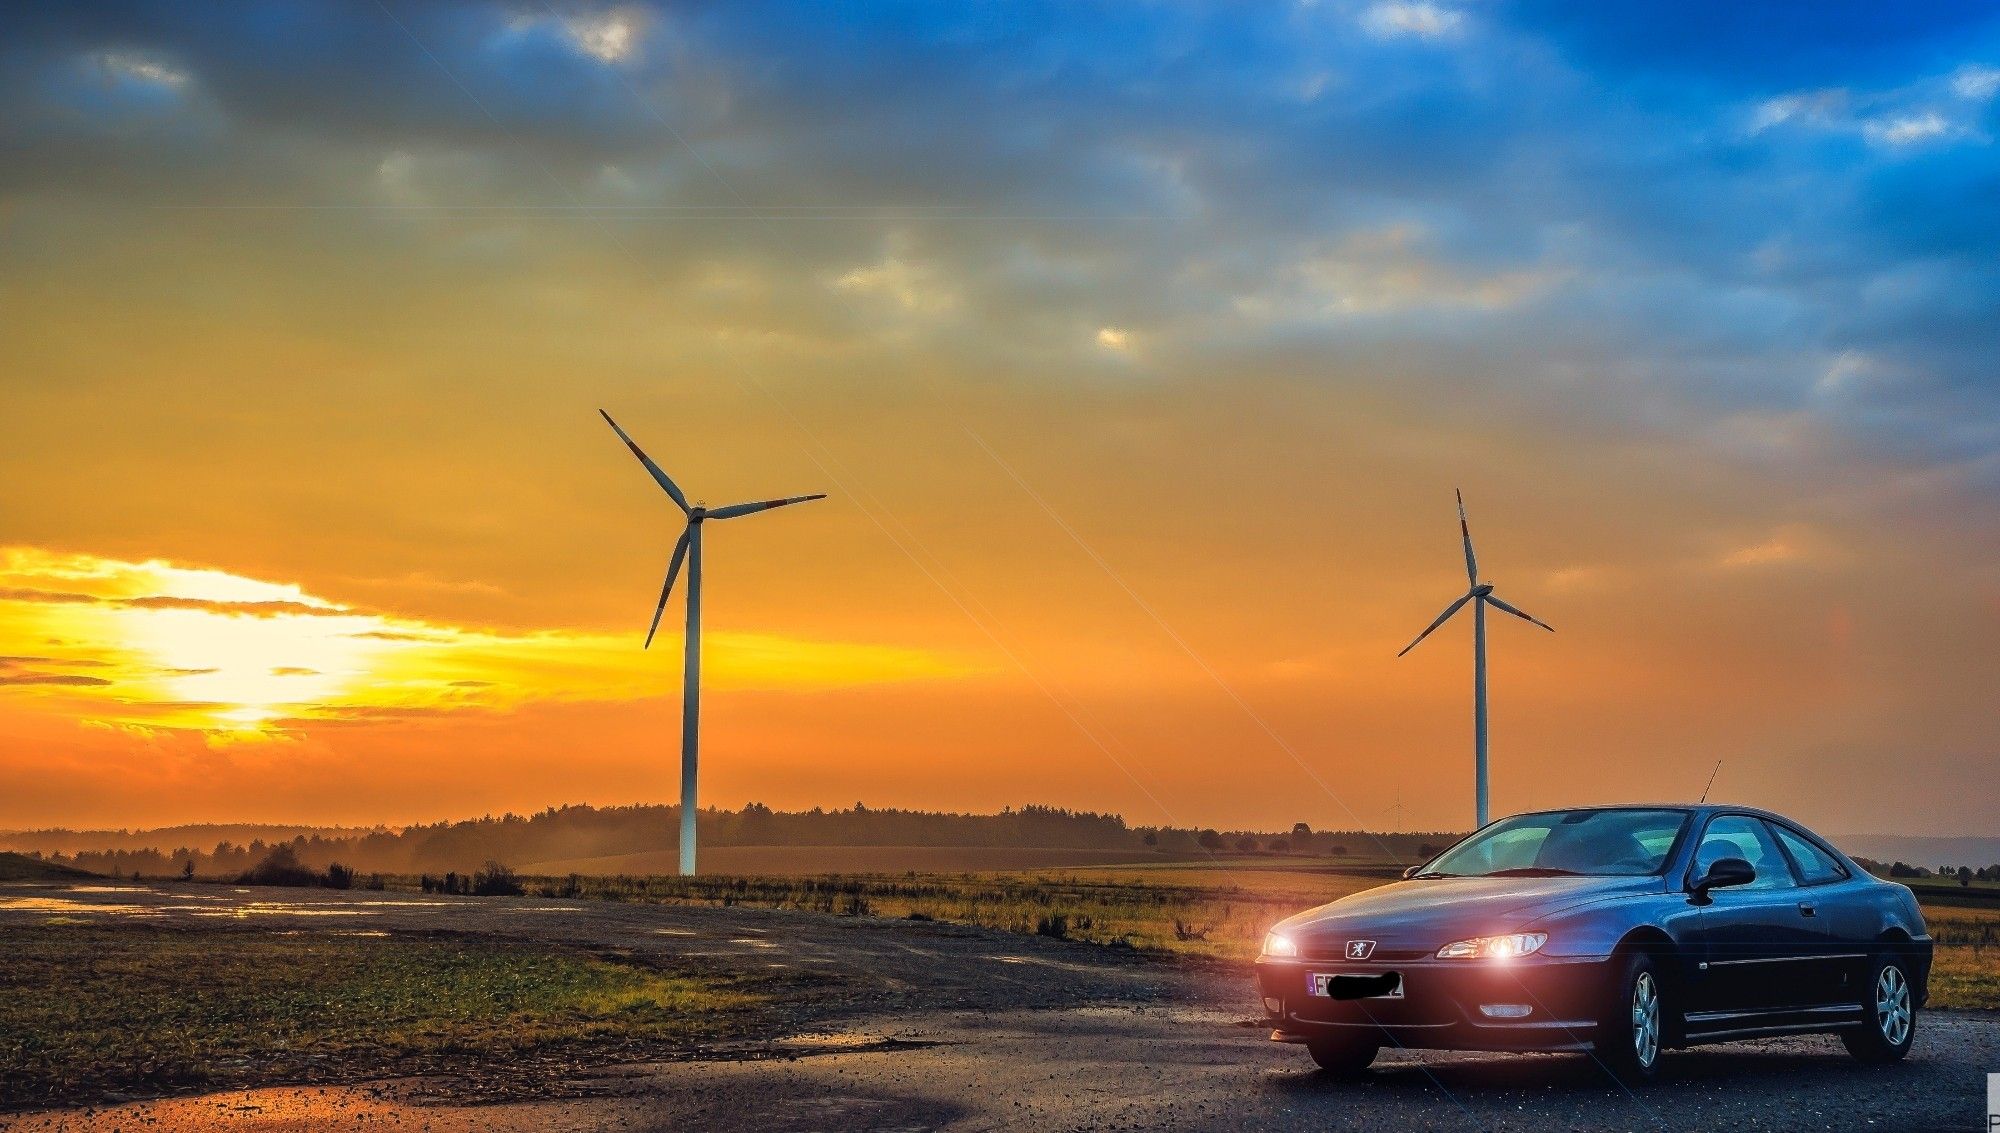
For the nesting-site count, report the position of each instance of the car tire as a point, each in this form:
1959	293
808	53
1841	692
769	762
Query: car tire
1890	1003
1632	1033
1343	1057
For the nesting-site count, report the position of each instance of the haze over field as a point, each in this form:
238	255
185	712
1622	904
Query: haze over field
308	309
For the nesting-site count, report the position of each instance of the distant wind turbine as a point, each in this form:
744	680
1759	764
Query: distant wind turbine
689	550
1481	596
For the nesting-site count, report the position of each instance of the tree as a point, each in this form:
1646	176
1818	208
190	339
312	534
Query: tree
1965	876
1152	838
1210	840
187	870
1301	830
1246	844
1280	846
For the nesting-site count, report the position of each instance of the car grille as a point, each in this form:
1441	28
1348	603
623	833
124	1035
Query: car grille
1334	953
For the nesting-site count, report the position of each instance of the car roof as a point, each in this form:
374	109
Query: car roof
1692	808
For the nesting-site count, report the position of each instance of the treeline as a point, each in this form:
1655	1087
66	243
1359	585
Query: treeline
1964	875
570	832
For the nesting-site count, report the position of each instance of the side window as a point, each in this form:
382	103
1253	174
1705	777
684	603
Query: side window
1740	836
1815	867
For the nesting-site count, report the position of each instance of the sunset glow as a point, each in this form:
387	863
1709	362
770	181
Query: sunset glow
1138	349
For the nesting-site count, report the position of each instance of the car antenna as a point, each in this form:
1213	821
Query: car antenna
1711	781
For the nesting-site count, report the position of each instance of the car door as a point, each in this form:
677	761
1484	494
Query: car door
1826	905
1755	950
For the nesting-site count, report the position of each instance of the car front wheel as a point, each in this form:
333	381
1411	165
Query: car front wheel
1891	1010
1633	1031
1343	1057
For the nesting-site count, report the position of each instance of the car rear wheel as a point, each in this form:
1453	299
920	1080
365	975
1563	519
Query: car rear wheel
1343	1057
1891	1010
1632	1033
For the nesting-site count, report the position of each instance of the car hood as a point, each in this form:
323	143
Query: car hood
1427	914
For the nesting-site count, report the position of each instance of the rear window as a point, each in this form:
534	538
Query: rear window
1816	867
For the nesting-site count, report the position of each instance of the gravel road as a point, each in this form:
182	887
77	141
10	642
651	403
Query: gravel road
935	1026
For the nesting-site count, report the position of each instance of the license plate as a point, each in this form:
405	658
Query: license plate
1354	985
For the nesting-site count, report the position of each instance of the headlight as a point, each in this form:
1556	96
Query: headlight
1278	944
1494	947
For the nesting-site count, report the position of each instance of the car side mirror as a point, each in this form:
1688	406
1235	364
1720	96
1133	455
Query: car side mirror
1412	871
1724	873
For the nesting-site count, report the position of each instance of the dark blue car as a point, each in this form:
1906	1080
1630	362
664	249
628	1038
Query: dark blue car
1620	930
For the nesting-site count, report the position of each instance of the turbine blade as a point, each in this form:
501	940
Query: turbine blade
1519	613
734	510
1465	530
1448	612
673	572
659	475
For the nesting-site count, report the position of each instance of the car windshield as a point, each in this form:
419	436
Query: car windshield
1597	843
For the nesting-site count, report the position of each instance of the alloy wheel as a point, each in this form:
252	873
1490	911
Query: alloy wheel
1892	1005
1645	1019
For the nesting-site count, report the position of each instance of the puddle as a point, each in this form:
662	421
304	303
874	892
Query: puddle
65	905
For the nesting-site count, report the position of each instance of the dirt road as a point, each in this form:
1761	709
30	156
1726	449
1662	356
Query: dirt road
942	1027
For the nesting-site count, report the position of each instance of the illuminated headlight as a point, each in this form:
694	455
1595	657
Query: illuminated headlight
1278	944
1494	947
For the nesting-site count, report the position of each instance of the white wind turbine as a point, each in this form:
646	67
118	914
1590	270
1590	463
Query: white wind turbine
689	549
1481	596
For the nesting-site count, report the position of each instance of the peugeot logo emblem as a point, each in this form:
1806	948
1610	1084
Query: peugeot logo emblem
1360	949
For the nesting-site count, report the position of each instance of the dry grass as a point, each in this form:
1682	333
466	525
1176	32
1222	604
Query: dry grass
1211	910
85	1011
1180	910
1966	972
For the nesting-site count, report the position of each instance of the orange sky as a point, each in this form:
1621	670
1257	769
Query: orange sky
310	516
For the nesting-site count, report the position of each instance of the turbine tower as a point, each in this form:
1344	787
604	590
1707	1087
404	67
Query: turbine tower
689	550
1481	595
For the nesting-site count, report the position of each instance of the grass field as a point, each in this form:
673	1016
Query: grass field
1211	910
85	1011
1186	910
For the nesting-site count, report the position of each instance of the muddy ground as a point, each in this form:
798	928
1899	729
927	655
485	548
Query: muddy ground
926	1026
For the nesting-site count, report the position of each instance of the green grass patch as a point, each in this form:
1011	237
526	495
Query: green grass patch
86	1012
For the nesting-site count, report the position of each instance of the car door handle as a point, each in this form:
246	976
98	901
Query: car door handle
1807	910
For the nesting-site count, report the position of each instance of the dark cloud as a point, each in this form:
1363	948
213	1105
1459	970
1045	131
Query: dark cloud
269	609
266	609
73	679
53	597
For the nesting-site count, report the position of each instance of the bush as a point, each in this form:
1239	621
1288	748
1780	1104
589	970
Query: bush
496	880
1054	925
339	876
280	867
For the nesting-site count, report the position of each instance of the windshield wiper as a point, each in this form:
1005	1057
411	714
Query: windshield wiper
1433	873
1533	871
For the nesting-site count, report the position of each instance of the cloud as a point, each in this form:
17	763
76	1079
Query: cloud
64	662
1817	108
1415	18
76	680
1907	129
140	68
266	609
1976	82
29	594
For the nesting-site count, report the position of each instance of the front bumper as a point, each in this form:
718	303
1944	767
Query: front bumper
1440	1007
